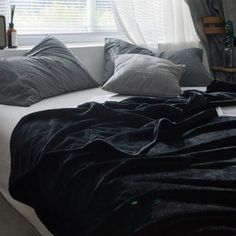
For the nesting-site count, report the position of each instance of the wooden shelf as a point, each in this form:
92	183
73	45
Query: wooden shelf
213	25
214	30
224	69
229	72
213	20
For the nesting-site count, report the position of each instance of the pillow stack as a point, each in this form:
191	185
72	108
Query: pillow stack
115	47
134	70
50	69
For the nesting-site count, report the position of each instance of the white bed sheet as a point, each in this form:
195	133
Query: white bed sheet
9	117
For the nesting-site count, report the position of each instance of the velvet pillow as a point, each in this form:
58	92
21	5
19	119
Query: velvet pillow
114	47
195	73
49	69
143	75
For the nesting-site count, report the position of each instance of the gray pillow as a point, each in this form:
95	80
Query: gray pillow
49	69
143	75
195	73
114	47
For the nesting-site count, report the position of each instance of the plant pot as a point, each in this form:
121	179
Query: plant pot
228	57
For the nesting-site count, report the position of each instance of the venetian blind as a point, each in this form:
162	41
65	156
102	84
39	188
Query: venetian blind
61	16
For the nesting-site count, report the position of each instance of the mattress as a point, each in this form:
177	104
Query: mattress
9	117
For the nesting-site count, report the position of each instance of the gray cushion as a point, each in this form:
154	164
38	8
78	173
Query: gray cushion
49	69
143	75
114	47
195	73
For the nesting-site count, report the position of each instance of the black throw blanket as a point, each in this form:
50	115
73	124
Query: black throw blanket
140	167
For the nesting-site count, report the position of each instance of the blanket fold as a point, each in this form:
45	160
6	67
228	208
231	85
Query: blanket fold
143	166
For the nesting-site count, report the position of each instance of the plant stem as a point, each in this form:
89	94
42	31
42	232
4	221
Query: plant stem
12	12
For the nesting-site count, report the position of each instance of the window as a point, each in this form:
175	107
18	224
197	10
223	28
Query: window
41	17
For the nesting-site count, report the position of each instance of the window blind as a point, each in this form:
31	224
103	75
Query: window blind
61	16
104	18
3	8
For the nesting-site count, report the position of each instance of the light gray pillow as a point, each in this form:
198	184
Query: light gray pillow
143	75
49	69
114	47
195	73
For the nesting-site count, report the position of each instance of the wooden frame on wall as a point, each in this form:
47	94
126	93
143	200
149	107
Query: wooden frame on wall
3	41
213	25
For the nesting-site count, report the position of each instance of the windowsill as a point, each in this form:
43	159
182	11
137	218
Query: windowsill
84	40
69	45
77	39
75	47
16	49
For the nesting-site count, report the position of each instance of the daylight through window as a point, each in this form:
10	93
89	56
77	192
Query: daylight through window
61	16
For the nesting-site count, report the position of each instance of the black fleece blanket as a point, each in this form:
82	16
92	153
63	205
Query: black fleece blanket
140	167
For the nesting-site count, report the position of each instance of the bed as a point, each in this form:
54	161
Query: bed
155	161
11	115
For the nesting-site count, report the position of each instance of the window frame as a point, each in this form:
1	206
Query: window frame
88	37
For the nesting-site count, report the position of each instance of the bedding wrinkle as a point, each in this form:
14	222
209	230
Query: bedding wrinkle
131	168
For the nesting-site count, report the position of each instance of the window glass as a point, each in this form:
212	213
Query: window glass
62	16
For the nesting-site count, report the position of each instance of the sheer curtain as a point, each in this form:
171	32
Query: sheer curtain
154	22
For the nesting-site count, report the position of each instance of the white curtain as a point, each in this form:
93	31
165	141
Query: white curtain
154	22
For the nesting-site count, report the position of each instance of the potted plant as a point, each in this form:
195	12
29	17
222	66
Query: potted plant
229	41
